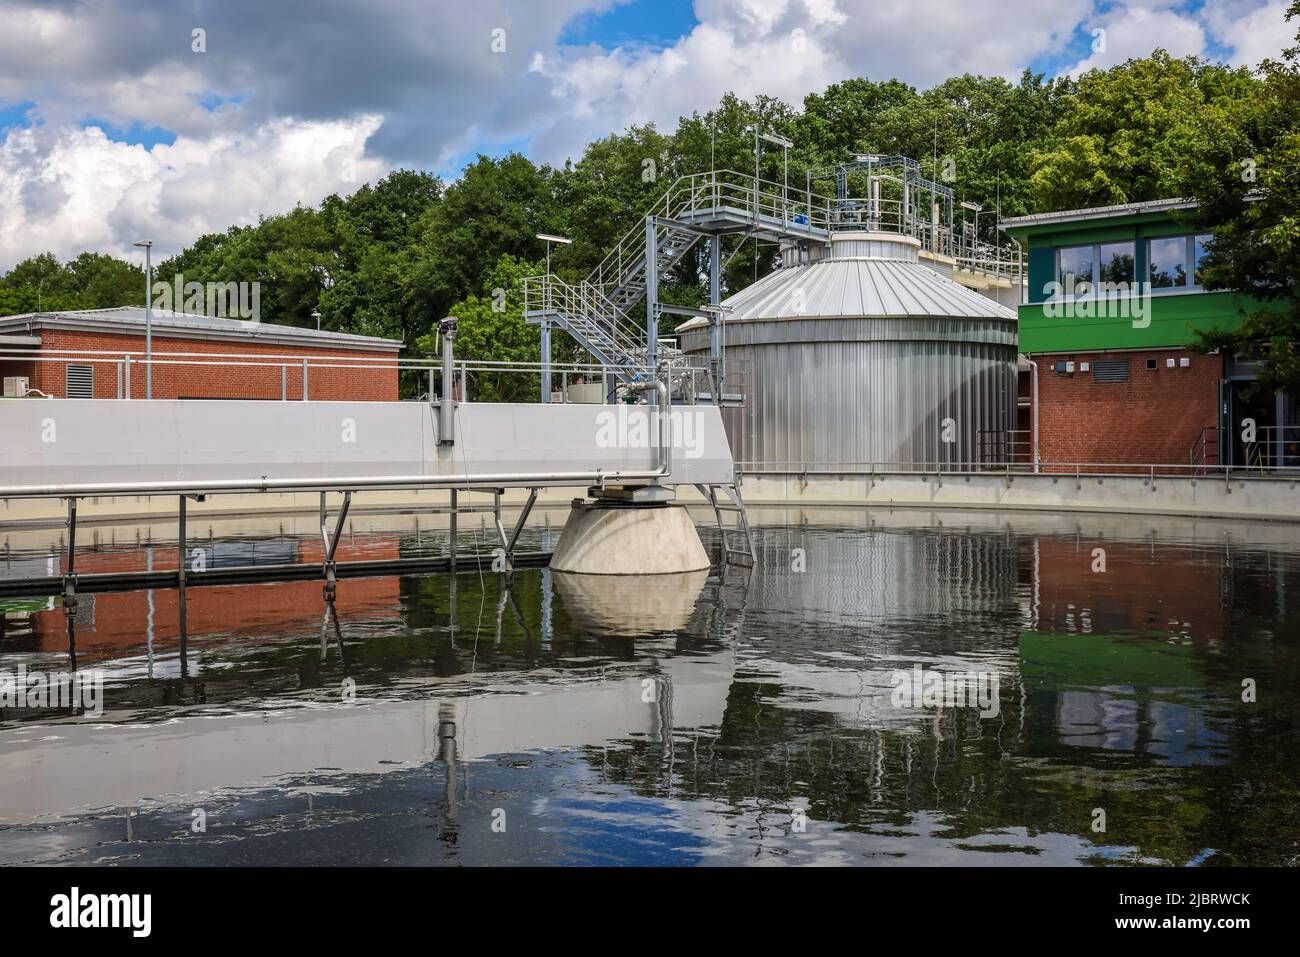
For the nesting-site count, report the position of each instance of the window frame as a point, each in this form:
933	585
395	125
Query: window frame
1189	263
1094	280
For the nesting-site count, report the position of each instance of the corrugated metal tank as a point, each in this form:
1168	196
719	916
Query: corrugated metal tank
855	354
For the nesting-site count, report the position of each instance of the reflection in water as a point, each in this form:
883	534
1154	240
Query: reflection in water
686	721
630	605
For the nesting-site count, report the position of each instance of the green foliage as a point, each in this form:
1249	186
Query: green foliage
1123	132
1244	171
90	281
492	328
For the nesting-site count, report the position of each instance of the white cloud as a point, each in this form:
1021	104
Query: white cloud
1254	30
71	189
1129	32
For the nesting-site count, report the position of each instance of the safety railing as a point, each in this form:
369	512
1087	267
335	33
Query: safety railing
308	378
1267	448
1151	471
996	448
1205	450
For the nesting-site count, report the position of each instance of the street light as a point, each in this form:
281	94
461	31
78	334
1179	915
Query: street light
148	316
548	238
544	347
315	314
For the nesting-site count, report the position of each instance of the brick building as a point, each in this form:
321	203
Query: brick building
1113	299
100	354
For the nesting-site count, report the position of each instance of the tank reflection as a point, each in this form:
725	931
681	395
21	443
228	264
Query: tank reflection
627	606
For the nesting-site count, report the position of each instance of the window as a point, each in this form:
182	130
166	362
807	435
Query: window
1110	370
1081	269
1167	262
1074	270
79	382
1115	261
1200	251
1151	365
1174	262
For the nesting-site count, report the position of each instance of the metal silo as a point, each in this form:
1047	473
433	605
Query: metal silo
856	354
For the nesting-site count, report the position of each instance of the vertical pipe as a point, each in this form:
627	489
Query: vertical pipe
447	407
304	379
284	383
1034	399
127	361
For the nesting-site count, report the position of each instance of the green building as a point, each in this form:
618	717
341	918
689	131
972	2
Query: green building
1112	300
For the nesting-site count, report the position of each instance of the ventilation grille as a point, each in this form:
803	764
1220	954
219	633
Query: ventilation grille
1110	370
80	382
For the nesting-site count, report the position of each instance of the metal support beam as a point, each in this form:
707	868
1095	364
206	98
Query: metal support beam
715	323
180	543
546	360
455	508
651	292
331	546
519	525
496	518
70	570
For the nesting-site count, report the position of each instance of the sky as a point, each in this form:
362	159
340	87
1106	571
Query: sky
123	120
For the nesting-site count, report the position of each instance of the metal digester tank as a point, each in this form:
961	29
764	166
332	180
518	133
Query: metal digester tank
855	353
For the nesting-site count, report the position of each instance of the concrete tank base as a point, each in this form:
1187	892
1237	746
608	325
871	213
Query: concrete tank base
605	539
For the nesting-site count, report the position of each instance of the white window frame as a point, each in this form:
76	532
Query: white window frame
1094	281
1189	264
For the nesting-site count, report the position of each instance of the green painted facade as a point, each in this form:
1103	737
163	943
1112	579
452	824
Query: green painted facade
1174	314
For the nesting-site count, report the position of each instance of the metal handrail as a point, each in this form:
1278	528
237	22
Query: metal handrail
462	369
1049	469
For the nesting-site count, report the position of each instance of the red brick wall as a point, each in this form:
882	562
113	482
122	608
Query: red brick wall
214	381
1155	417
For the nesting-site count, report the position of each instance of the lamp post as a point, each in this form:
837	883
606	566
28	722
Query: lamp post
315	314
148	316
545	347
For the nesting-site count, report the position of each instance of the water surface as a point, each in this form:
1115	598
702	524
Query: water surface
718	718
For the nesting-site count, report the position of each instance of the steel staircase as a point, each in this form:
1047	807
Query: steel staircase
597	311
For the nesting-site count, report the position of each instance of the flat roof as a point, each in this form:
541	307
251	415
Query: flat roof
130	320
1097	212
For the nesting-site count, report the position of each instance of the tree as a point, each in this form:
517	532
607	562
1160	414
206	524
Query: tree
1244	173
492	328
1121	137
89	281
